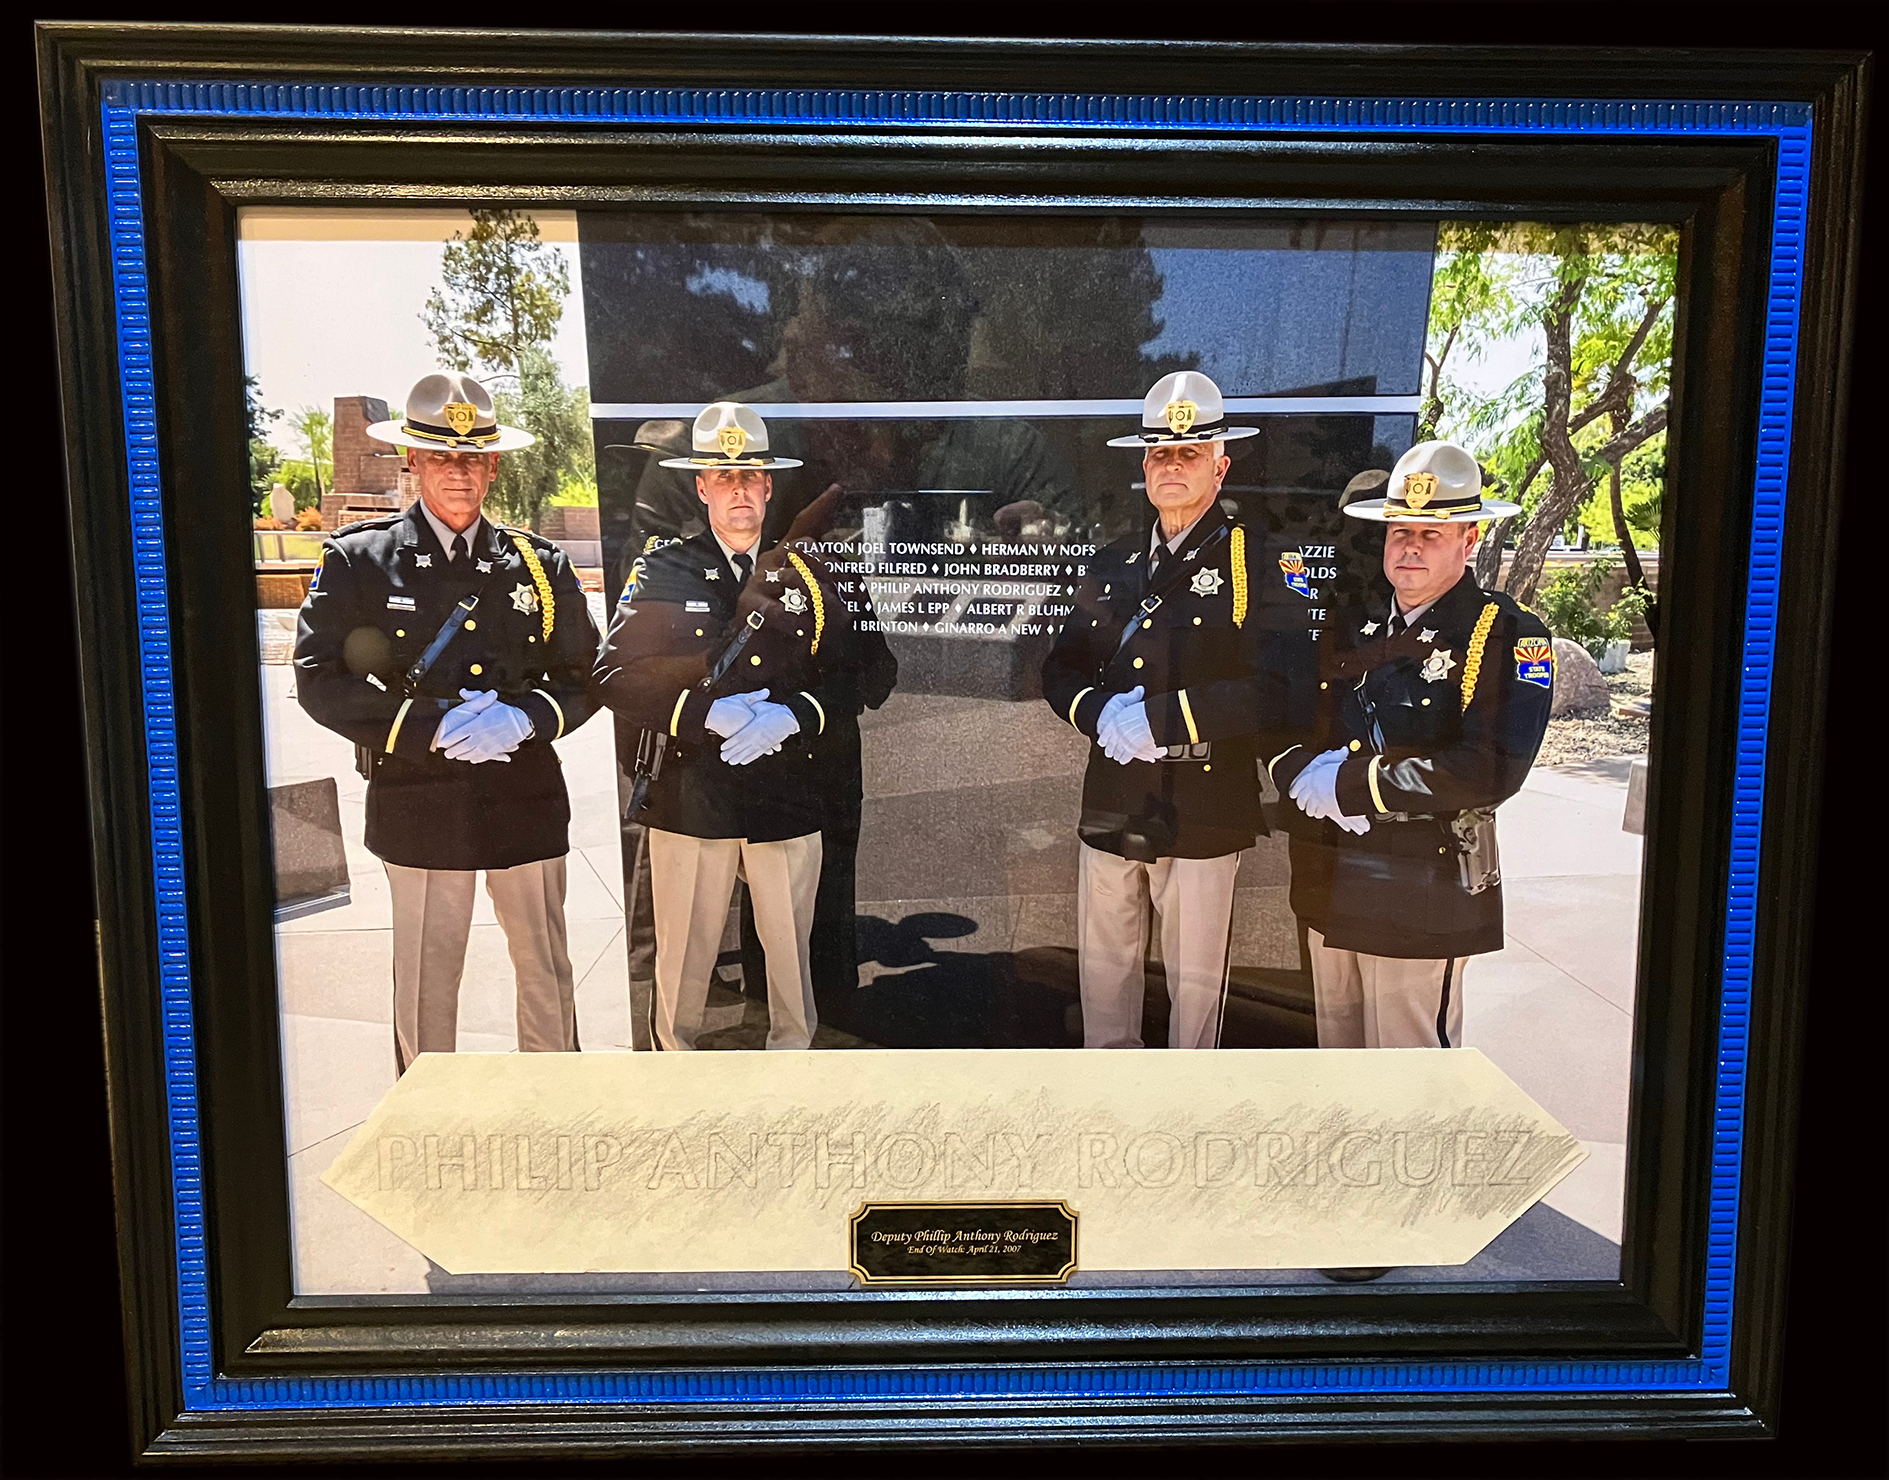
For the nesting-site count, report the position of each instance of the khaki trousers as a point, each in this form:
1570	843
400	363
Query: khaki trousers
1194	898
432	910
691	881
1384	1001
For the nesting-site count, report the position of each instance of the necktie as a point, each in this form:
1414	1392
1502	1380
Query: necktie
743	565
460	549
1155	557
1397	624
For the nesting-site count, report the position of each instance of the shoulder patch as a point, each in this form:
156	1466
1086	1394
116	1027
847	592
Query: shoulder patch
1534	661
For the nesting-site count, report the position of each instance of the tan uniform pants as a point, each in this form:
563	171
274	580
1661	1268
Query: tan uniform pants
1194	898
1384	1001
691	881
432	910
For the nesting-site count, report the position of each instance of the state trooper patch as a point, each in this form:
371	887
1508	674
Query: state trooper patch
1292	567
1534	661
1206	582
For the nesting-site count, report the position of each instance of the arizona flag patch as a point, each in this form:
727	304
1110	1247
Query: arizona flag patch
1534	662
1292	567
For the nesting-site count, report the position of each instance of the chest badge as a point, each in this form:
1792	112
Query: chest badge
1427	635
1368	628
1534	661
709	573
1206	582
773	578
1292	567
793	601
525	599
425	562
484	567
1437	666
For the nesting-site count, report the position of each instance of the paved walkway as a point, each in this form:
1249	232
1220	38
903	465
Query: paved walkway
1554	1009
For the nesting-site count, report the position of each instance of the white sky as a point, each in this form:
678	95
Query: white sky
332	299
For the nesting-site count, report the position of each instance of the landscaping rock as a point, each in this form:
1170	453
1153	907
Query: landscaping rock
1577	680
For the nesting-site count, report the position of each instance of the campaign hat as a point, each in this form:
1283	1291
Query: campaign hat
1185	406
1435	483
729	435
449	411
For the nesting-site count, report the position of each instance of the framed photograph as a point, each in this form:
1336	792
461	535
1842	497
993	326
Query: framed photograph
704	654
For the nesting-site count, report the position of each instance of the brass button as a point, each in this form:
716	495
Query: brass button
471	626
1207	767
800	632
1426	701
1196	621
1442	850
478	668
400	632
1355	745
1324	686
531	639
1138	662
756	660
698	631
1107	589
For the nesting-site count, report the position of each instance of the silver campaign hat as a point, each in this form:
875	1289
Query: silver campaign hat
1184	407
1435	481
450	412
729	435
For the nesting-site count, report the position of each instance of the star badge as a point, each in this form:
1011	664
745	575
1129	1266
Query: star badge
1427	635
525	599
1368	628
1437	666
424	561
1206	582
710	574
793	601
485	567
773	578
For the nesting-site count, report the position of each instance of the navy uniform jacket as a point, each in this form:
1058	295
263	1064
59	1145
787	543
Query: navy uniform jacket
384	589
1208	657
680	607
1419	758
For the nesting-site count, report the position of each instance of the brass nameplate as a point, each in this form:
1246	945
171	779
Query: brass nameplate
964	1243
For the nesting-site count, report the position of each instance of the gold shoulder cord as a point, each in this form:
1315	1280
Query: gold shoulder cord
1479	639
813	591
547	603
1238	562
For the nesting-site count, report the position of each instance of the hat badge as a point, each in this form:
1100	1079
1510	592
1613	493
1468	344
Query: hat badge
460	416
1181	416
732	440
1419	489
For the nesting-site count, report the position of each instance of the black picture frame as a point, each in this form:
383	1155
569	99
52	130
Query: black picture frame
196	170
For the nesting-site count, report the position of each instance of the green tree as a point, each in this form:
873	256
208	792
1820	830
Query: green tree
503	294
564	453
1600	299
264	459
316	430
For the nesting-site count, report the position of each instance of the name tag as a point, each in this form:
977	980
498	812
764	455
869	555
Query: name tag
401	604
695	606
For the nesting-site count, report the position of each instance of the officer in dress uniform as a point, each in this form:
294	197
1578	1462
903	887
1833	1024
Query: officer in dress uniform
453	651
733	658
1164	666
1432	707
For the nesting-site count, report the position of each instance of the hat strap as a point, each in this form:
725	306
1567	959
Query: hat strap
413	428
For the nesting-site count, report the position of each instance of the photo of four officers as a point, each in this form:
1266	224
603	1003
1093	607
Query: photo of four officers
452	651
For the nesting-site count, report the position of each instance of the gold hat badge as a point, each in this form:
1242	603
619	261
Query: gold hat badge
1181	417
732	440
1419	489
461	416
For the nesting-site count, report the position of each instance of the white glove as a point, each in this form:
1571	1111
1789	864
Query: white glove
1315	789
1113	708
489	735
459	718
725	716
772	723
1128	736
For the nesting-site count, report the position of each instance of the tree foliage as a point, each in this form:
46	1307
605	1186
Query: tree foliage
264	459
503	294
560	419
311	476
1598	303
